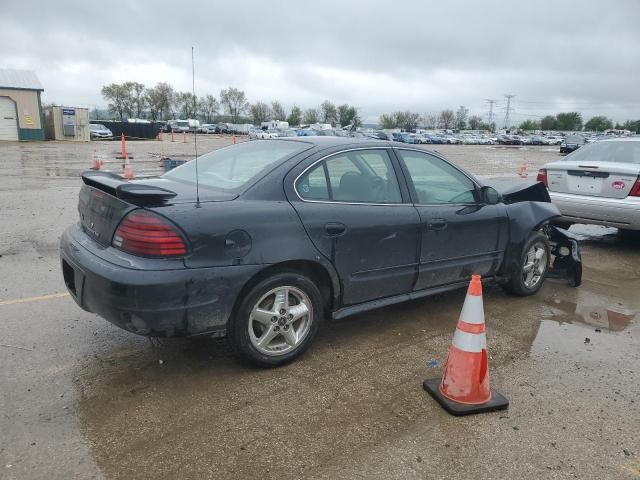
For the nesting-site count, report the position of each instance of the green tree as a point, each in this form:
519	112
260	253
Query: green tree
549	123
408	120
569	121
633	126
598	124
475	122
260	112
208	107
234	102
185	104
295	117
119	99
346	115
310	116
137	98
387	121
328	113
159	99
277	111
529	125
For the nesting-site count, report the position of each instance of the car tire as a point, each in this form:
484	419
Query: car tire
288	336
536	258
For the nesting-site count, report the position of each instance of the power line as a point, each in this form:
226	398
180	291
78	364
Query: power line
490	115
506	115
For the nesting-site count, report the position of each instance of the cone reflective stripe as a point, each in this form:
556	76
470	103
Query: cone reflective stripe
464	387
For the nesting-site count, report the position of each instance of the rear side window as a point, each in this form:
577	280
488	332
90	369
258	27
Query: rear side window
237	167
435	181
624	151
361	176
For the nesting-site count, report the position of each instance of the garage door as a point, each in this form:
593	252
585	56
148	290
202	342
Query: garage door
8	121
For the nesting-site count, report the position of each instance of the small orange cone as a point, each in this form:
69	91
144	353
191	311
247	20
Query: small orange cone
172	139
464	388
235	140
123	143
160	136
184	137
96	162
523	170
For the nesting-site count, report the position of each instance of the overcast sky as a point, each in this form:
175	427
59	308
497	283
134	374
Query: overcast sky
380	56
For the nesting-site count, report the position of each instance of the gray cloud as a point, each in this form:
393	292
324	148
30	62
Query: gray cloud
423	56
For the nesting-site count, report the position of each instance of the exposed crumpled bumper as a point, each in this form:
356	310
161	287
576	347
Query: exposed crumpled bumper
568	260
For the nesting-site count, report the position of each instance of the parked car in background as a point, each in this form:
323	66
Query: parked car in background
598	184
287	232
263	134
554	139
207	128
571	143
538	140
97	130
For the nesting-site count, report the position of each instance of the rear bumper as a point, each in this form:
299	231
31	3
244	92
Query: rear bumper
161	303
612	212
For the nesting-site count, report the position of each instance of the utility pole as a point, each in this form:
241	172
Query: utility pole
506	115
490	115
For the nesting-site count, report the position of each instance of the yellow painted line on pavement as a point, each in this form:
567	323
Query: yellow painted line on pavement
34	299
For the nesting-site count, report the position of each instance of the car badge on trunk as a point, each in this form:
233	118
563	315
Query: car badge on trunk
618	185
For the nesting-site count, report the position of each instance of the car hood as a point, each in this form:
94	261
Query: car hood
513	191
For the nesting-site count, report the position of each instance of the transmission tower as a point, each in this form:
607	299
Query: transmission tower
506	114
490	115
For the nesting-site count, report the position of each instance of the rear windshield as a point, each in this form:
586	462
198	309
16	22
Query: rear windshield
237	167
608	151
575	138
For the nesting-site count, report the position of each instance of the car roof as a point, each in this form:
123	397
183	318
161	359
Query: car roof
635	138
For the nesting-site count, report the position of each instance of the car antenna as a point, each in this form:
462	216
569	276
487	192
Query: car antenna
195	132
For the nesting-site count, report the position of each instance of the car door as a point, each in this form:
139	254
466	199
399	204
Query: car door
460	235
359	216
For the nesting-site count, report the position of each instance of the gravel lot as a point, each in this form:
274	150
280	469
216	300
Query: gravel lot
80	398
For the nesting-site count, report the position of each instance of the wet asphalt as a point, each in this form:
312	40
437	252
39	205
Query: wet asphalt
80	398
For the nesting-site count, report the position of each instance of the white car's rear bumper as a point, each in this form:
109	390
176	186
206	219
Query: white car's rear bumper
612	212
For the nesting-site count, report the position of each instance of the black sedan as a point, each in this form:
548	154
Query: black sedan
273	236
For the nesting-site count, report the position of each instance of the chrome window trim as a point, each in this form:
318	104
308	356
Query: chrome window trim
295	181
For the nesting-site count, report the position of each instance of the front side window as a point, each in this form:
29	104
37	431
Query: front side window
435	181
360	176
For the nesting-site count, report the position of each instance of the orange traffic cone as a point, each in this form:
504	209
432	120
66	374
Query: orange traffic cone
96	162
184	137
523	170
235	140
172	139
123	143
464	387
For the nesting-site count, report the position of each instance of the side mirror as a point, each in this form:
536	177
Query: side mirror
490	195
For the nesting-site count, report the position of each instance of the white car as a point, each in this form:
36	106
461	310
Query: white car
97	130
263	134
598	184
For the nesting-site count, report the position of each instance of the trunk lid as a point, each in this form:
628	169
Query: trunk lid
597	179
106	198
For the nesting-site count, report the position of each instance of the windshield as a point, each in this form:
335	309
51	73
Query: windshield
182	124
237	167
608	151
98	127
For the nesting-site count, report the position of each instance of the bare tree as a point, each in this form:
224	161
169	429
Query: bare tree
137	98
260	112
447	119
461	117
277	111
185	104
234	102
310	116
430	120
160	100
208	107
475	122
387	120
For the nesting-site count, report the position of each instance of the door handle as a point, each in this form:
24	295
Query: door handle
436	224
334	229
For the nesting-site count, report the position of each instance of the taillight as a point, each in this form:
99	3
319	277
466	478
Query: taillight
149	235
542	177
635	190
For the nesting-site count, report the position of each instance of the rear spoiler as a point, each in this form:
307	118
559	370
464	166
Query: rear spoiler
119	187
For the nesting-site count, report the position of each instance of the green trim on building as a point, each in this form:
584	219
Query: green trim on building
23	89
30	134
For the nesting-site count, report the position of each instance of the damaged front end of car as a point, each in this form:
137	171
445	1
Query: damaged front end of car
530	205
